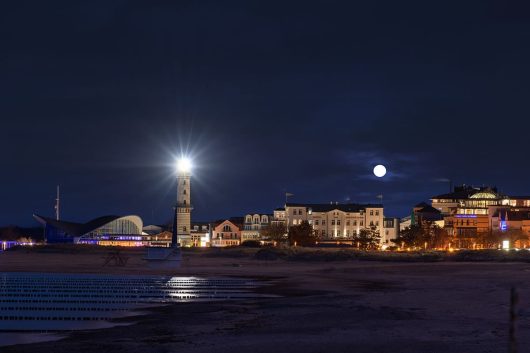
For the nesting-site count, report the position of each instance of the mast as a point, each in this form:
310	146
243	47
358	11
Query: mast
57	204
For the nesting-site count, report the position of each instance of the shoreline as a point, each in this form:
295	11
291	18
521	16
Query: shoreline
336	306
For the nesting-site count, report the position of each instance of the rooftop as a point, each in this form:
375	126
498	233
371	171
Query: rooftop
324	207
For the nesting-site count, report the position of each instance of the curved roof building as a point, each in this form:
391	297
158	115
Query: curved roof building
105	228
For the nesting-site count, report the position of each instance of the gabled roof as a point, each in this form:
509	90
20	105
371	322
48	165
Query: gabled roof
429	209
323	207
421	204
238	221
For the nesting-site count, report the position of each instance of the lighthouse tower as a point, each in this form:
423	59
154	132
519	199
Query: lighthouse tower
182	219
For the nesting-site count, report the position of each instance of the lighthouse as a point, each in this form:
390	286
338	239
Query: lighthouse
182	218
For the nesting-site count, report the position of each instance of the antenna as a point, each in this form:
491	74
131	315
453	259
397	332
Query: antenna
57	204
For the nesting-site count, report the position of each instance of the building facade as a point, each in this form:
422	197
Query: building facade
106	231
335	221
253	225
471	211
227	233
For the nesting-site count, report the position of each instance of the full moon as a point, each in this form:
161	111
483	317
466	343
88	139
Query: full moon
379	170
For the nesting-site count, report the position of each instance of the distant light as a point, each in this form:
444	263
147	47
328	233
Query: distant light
506	244
379	170
184	165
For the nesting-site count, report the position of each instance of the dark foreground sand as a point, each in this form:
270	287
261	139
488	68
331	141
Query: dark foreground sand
342	306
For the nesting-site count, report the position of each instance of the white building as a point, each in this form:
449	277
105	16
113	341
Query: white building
334	220
253	225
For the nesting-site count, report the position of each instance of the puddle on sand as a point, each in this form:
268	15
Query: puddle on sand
12	338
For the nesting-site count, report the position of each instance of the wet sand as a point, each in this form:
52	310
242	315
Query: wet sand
342	306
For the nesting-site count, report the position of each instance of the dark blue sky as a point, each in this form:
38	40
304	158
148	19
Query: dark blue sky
268	96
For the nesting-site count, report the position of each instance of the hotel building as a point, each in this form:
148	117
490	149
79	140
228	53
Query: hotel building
468	211
336	221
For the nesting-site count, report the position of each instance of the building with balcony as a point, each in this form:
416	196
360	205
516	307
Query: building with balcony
336	221
227	232
469	211
253	225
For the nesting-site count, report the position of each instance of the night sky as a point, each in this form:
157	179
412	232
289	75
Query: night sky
267	97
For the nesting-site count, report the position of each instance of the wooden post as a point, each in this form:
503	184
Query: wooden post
512	348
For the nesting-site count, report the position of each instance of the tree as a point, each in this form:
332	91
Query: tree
274	232
302	234
489	239
517	238
437	237
368	238
410	237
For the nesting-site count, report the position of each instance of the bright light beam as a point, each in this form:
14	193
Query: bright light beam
184	165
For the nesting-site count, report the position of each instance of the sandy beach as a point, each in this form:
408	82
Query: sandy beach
338	306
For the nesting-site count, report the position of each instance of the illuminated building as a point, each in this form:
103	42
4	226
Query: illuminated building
279	216
227	233
200	235
469	211
390	228
107	230
334	221
253	225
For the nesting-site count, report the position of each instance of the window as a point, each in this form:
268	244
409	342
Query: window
371	223
300	211
184	192
371	212
226	228
361	223
377	223
377	212
316	222
323	222
354	222
332	222
347	223
338	222
184	228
